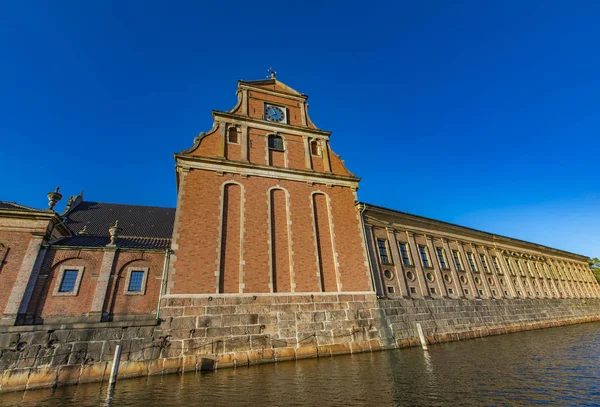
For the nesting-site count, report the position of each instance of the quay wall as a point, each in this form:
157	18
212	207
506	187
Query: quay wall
212	332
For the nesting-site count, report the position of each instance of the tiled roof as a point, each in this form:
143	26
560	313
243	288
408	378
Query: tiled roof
143	227
15	206
135	220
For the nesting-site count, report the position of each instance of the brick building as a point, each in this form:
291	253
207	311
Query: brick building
264	208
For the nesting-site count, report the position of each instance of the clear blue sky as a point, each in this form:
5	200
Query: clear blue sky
481	113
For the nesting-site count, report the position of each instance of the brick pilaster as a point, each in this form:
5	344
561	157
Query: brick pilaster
22	281
103	279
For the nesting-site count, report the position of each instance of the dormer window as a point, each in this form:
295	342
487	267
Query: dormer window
232	136
275	142
315	148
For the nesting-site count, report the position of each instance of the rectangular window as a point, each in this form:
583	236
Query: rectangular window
442	258
537	269
528	268
520	268
404	254
383	252
467	291
484	263
457	262
413	290
432	290
69	279
136	281
472	262
508	265
275	142
480	292
450	291
496	265
424	256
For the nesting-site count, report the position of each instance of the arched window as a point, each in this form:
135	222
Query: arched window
232	136
315	148
275	142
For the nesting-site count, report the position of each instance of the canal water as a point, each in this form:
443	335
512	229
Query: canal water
557	367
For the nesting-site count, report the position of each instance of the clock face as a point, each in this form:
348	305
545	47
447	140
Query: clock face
274	113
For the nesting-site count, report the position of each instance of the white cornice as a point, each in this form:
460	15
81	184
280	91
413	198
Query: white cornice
227	117
453	232
237	167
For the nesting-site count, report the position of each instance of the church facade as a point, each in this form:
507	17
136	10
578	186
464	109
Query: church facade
268	256
265	207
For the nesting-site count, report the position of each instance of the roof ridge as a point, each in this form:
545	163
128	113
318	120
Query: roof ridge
20	205
123	204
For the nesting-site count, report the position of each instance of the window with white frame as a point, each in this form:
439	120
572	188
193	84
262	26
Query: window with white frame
404	253
483	259
457	261
383	251
424	256
68	281
528	265
497	265
442	258
135	281
471	259
509	266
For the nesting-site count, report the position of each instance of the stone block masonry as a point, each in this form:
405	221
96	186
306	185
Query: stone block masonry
212	332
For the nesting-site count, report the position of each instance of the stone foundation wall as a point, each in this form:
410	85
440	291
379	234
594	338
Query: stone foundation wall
208	333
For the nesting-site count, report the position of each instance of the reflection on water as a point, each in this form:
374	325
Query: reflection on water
558	366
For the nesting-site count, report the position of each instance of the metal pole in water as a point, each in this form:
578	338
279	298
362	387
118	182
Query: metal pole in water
115	365
422	336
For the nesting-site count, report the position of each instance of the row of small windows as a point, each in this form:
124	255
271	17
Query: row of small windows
541	269
71	278
275	142
528	286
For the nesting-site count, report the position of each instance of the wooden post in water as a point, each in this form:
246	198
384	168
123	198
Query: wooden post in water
422	336
115	365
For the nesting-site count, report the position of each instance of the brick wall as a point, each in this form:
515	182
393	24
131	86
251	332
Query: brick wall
13	251
45	307
201	249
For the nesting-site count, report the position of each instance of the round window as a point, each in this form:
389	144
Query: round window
447	278
388	274
477	280
463	279
430	277
410	276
